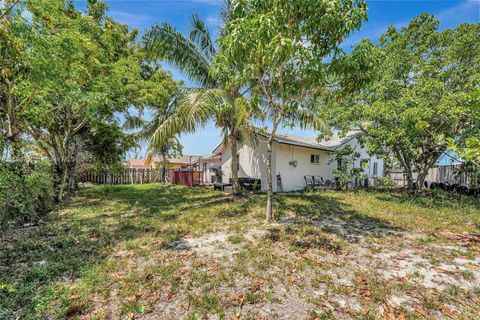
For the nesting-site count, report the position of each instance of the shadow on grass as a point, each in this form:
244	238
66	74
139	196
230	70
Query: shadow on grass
438	199
81	234
330	214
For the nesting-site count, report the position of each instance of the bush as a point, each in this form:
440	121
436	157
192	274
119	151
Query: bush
386	182
26	192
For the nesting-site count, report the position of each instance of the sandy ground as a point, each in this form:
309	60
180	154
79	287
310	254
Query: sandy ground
379	273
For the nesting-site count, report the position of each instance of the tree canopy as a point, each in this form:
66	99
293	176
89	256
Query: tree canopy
214	99
82	70
279	51
411	93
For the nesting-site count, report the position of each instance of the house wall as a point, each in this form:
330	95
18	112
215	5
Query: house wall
372	159
293	177
208	172
252	163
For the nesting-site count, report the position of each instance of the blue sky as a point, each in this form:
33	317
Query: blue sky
141	14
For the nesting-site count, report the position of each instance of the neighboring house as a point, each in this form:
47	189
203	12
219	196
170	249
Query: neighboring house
449	158
209	164
182	162
135	164
295	157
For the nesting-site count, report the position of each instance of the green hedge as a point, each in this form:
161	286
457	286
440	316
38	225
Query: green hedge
26	191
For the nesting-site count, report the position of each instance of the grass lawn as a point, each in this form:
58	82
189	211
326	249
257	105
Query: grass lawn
151	252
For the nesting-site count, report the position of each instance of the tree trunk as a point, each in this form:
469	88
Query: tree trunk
406	165
72	167
234	147
164	168
429	164
269	211
62	173
410	181
13	133
71	176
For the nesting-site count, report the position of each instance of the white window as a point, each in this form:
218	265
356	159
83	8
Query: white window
315	158
340	164
375	169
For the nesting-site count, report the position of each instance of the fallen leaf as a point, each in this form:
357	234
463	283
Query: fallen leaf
446	310
402	255
365	293
421	310
389	312
239	298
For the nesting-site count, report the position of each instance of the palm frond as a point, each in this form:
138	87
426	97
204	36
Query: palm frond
225	15
165	43
133	123
200	35
192	110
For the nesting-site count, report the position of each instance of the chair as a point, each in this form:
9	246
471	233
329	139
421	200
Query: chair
309	182
318	182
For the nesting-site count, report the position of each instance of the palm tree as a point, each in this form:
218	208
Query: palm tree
170	149
211	99
166	148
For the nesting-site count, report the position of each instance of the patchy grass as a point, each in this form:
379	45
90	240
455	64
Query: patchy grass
171	252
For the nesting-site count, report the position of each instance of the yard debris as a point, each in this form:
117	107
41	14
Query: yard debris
446	310
419	308
240	268
402	255
466	239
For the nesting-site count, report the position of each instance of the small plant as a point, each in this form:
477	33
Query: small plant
346	171
386	182
236	239
26	192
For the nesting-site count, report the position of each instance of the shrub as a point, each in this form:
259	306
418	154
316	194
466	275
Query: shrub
386	182
26	191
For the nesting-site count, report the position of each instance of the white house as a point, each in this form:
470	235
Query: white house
295	157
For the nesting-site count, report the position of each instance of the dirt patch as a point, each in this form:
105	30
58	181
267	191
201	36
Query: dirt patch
385	273
220	244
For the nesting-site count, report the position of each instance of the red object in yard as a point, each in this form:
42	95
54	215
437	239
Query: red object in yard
188	178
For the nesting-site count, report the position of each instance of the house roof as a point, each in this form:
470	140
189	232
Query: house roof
179	160
187	159
331	144
135	163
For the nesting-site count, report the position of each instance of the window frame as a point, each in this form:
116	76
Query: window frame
314	158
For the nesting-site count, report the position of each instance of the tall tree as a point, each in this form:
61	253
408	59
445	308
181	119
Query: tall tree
417	92
226	105
14	32
278	49
169	149
79	77
157	96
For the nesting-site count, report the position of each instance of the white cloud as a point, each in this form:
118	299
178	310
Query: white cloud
132	19
466	11
212	21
